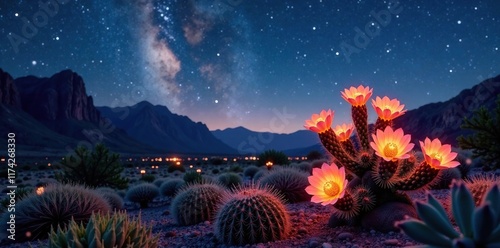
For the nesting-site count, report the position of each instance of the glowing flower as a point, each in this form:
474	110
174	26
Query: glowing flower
438	156
357	96
320	123
343	132
327	184
391	145
388	109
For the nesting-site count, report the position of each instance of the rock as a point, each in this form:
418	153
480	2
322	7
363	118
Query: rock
166	212
335	221
313	242
206	222
345	236
326	245
302	230
382	218
391	242
194	234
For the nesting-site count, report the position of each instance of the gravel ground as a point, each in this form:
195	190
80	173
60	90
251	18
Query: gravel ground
309	229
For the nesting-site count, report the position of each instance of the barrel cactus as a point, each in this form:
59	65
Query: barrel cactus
36	214
252	215
479	226
379	159
143	194
170	186
289	182
102	231
230	179
115	201
196	203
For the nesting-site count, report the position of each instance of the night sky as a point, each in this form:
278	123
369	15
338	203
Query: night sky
265	65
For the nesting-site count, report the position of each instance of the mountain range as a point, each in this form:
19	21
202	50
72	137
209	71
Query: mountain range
54	115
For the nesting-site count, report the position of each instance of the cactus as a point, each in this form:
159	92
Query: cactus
445	178
289	182
104	231
142	193
170	186
260	174
479	225
230	179
196	203
192	177
381	161
250	171
57	205
252	215
158	182
115	201
478	185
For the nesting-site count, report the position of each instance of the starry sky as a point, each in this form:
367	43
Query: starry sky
266	65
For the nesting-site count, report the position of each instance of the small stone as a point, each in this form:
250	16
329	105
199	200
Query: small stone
373	232
345	236
355	246
302	230
195	234
326	245
313	243
391	242
166	212
206	222
170	234
391	233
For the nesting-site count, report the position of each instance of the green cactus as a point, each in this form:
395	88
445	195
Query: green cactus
57	205
192	177
230	180
479	226
170	186
252	215
196	203
142	193
103	231
289	182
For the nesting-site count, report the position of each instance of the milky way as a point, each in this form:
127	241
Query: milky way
235	62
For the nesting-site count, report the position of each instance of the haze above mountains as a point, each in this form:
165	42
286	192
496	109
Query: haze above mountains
54	115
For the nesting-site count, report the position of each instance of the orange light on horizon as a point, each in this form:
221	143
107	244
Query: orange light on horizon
198	170
143	172
40	190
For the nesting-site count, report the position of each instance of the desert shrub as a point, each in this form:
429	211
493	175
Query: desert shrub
230	179
260	174
215	171
196	203
250	171
216	161
314	155
173	167
251	215
170	186
142	193
102	231
192	177
485	141
235	168
21	192
289	182
115	201
305	167
148	178
276	157
98	168
56	206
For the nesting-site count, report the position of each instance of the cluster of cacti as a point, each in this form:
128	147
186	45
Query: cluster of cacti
230	179
252	215
289	182
36	214
196	203
143	194
103	231
382	164
479	225
170	186
115	201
